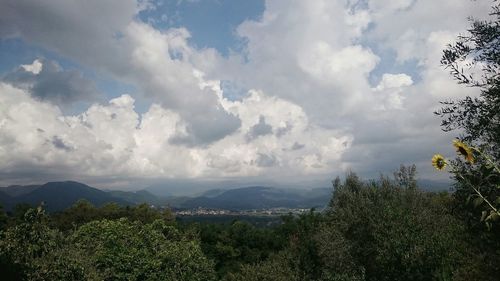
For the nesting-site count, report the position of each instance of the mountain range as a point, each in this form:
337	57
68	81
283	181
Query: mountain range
55	195
259	197
60	195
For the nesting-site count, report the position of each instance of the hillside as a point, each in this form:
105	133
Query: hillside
6	201
18	190
138	197
258	197
60	195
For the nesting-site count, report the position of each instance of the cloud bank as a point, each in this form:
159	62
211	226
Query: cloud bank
328	86
114	139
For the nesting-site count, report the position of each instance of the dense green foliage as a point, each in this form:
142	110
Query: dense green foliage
239	242
392	232
83	211
103	249
378	230
3	219
375	231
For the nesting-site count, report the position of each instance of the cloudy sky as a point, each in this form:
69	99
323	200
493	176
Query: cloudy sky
125	92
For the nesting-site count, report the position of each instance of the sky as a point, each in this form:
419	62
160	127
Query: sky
126	93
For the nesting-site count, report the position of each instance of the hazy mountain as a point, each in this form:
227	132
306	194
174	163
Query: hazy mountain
185	188
60	195
18	190
6	201
212	193
259	197
138	197
434	185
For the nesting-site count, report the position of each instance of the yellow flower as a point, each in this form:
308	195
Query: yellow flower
439	162
465	150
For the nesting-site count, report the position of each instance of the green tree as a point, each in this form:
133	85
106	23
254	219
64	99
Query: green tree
32	251
381	230
79	213
237	243
124	250
83	212
18	212
406	176
3	219
100	250
279	267
299	232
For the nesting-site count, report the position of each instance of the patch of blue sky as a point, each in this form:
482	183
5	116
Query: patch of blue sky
14	52
211	23
114	89
388	58
388	62
232	91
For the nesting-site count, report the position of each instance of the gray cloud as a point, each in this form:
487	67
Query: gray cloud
297	146
204	129
59	144
259	129
54	84
75	29
284	130
264	160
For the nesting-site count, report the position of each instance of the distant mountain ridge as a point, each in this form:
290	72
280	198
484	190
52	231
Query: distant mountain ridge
17	190
138	197
258	197
6	201
61	195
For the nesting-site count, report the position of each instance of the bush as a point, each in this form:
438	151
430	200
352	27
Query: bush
389	232
100	250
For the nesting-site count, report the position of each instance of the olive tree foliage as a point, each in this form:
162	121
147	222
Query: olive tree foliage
389	230
474	60
406	176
